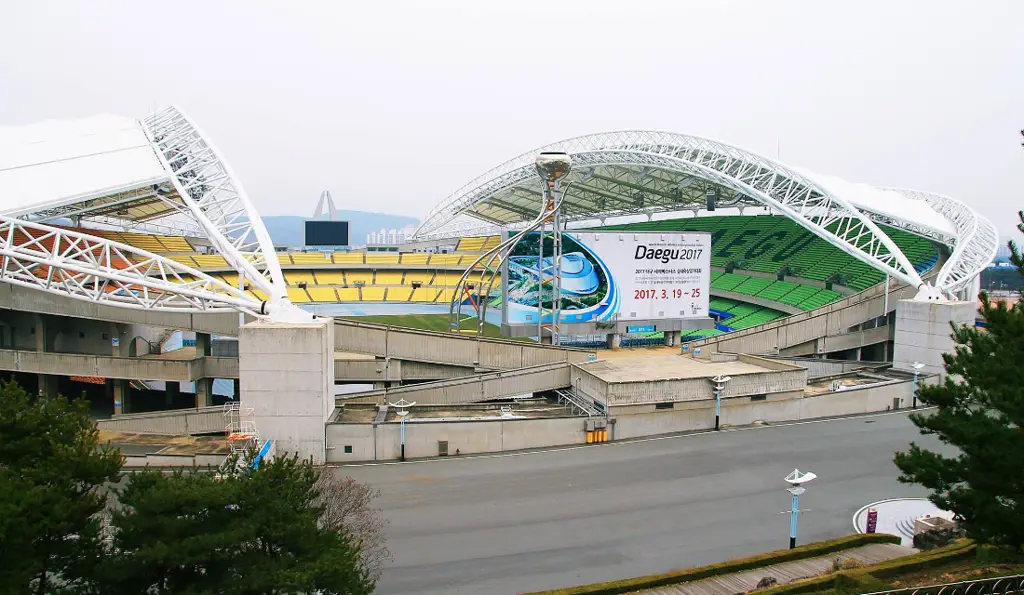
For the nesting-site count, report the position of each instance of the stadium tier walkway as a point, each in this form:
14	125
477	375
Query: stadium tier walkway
786	572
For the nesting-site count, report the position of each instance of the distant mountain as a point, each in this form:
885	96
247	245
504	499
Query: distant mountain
287	229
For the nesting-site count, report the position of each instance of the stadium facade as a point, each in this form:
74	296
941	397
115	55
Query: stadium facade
110	226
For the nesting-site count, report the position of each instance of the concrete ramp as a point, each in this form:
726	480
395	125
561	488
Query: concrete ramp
182	422
472	389
391	342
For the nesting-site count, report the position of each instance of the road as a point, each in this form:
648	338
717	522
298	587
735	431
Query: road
511	524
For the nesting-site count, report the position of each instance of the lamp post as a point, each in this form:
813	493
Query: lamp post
552	167
719	387
917	370
403	410
795	479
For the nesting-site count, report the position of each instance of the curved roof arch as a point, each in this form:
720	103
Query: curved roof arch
158	172
630	172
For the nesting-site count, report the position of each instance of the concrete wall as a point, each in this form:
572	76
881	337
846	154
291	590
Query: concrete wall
694	389
644	420
287	377
383	442
923	333
13	297
203	421
71	364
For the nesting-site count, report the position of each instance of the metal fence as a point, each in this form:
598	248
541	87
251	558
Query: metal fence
1004	585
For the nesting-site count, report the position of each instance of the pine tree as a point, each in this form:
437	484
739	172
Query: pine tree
52	472
979	410
239	532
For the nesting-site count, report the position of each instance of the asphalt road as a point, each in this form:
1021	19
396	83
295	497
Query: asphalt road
510	524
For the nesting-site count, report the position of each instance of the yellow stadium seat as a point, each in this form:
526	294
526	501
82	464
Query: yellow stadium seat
373	294
185	260
445	259
176	244
381	258
399	294
444	295
284	258
447	278
352	277
310	258
322	294
348	294
348	257
415	258
329	277
259	294
492	242
470	244
295	277
423	294
388	278
298	296
424	277
210	261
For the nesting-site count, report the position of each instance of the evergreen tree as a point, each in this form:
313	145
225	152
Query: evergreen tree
980	412
52	472
242	532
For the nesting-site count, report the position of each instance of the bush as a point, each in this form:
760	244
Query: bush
812	550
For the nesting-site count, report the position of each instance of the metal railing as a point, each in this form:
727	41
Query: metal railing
1003	585
570	399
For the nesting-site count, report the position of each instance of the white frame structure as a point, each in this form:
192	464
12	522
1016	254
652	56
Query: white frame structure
641	172
198	196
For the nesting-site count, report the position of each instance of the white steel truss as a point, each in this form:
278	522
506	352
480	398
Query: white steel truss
634	172
199	197
217	202
654	162
81	266
974	247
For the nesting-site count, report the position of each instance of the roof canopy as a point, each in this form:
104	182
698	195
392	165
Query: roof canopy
646	172
101	165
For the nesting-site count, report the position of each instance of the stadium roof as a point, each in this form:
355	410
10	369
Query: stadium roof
58	178
647	172
102	164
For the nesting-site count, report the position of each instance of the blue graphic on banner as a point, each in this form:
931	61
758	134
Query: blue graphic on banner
641	328
589	292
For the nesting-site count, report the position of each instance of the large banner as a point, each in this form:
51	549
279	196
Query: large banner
612	276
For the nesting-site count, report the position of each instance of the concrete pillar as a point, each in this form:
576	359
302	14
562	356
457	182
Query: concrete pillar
203	344
48	385
204	392
287	378
44	342
672	338
122	388
614	340
923	333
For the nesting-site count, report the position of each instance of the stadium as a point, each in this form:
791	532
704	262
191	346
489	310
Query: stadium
138	272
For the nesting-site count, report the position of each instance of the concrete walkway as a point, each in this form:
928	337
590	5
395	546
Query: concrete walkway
786	572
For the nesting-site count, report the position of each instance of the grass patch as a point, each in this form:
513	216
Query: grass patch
424	322
811	550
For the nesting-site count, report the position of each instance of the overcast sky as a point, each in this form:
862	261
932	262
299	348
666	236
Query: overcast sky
393	105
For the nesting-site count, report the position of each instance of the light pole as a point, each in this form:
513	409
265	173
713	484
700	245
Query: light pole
403	410
719	387
917	370
552	167
795	479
